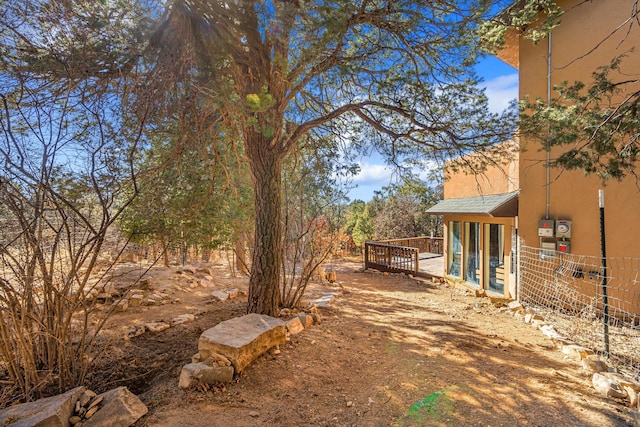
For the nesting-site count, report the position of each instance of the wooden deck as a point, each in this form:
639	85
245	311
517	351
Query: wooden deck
431	265
421	256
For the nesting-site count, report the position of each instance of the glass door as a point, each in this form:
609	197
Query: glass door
472	252
494	257
454	260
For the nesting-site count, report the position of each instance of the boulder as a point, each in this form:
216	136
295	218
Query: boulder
120	408
193	374
242	339
49	412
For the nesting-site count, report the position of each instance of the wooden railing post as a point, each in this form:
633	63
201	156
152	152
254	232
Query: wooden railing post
366	254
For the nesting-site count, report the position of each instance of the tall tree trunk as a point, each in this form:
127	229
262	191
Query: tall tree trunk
241	254
264	283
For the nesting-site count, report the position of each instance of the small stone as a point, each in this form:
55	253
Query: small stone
632	396
121	305
294	326
254	414
91	412
233	293
576	351
219	359
200	373
594	365
285	312
306	320
95	402
157	326
349	404
184	318
515	306
531	317
220	295
75	420
538	323
136	300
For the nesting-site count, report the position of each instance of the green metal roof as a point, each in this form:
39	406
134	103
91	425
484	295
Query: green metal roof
495	205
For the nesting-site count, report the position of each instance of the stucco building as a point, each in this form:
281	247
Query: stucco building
486	215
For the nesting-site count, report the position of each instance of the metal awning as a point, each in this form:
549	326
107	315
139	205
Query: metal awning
495	205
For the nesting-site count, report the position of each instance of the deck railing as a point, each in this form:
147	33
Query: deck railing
391	258
400	255
423	244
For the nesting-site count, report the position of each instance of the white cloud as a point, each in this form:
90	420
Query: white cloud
501	90
373	174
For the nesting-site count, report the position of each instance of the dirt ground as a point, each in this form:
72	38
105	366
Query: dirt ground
392	351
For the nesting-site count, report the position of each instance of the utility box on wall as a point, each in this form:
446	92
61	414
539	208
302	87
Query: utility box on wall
548	250
564	247
563	228
545	228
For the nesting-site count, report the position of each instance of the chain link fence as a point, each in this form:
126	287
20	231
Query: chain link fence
576	295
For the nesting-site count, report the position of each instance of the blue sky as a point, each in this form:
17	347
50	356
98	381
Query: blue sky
501	86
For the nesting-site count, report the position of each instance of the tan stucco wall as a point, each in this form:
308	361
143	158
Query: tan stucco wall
572	195
496	179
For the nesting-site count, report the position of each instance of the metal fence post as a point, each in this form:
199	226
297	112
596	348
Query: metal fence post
605	297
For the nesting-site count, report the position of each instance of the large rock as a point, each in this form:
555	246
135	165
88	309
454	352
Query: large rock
49	412
607	386
193	374
242	339
120	408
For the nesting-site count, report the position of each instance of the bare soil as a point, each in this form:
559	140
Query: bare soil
392	351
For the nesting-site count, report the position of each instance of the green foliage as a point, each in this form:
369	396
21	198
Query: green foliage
401	211
191	195
313	191
533	19
595	126
363	228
